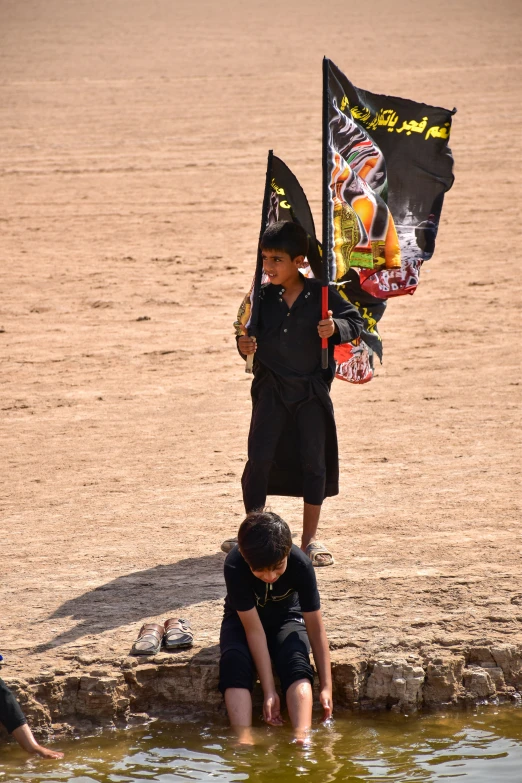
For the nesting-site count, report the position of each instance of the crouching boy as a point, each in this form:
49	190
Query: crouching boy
272	614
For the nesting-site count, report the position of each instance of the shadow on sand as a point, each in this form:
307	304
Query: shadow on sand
128	599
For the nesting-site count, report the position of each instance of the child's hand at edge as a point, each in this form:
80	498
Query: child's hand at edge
326	701
47	753
24	736
272	709
246	344
326	328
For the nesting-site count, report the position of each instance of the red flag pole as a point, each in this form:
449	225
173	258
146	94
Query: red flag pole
327	231
324	316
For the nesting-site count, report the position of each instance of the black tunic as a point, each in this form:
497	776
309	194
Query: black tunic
292	439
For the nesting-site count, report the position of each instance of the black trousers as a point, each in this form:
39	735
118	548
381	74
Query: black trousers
288	646
11	714
270	421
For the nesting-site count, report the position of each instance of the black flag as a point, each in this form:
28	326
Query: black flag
390	166
284	199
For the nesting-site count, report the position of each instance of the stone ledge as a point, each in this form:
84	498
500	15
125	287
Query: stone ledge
99	694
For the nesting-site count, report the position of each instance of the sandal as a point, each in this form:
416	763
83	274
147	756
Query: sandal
228	544
149	640
316	548
178	633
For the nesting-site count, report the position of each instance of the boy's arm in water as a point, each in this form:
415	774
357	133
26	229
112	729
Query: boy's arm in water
317	635
12	717
24	736
256	638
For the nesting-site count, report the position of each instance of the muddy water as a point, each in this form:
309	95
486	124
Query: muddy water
480	747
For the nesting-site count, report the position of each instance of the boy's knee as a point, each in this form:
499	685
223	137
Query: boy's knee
300	689
314	470
302	674
236	670
293	663
234	659
260	467
298	669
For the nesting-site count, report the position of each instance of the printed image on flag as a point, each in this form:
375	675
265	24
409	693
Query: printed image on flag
390	166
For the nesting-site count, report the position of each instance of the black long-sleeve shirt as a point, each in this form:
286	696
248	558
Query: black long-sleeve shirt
287	340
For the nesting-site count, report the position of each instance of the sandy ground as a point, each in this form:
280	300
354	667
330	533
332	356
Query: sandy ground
134	139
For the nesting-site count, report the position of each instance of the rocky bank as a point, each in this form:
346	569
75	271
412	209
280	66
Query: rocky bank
102	694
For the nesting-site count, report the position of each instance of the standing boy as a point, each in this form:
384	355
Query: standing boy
292	444
272	613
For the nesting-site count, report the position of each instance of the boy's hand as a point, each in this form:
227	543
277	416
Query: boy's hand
246	344
272	709
325	698
24	736
46	753
327	327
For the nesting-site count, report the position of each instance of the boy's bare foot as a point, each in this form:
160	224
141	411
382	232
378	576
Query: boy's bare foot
244	736
303	738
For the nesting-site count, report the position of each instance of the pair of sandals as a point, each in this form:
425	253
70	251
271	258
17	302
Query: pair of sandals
318	553
173	634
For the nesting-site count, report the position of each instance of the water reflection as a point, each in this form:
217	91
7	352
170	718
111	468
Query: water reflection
479	748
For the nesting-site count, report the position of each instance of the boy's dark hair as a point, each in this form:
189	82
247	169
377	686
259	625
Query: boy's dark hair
264	539
287	236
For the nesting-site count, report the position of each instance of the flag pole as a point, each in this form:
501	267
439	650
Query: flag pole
254	312
327	231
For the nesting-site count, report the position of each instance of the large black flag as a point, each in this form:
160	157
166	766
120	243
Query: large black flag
389	168
386	168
